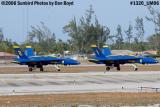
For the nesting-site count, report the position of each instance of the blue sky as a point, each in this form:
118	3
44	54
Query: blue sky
13	19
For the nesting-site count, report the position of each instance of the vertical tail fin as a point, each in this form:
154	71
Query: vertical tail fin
29	51
97	51
106	51
19	52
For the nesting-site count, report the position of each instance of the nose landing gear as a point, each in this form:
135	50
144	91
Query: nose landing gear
108	68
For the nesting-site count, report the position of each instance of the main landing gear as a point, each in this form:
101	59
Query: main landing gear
108	68
116	65
31	69
41	69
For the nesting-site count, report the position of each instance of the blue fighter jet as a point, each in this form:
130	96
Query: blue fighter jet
29	51
33	62
143	60
105	57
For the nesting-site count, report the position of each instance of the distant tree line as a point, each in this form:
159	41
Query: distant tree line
5	44
87	30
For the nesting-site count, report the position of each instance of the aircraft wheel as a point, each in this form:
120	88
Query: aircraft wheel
30	69
118	68
135	69
41	69
107	68
58	70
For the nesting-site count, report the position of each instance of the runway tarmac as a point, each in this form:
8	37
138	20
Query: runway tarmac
46	83
81	65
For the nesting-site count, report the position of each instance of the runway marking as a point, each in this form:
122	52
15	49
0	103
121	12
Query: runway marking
35	84
53	83
3	84
145	80
77	82
12	84
94	82
130	80
158	79
120	79
102	79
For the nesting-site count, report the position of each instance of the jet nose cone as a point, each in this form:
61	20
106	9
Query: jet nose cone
156	61
77	62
